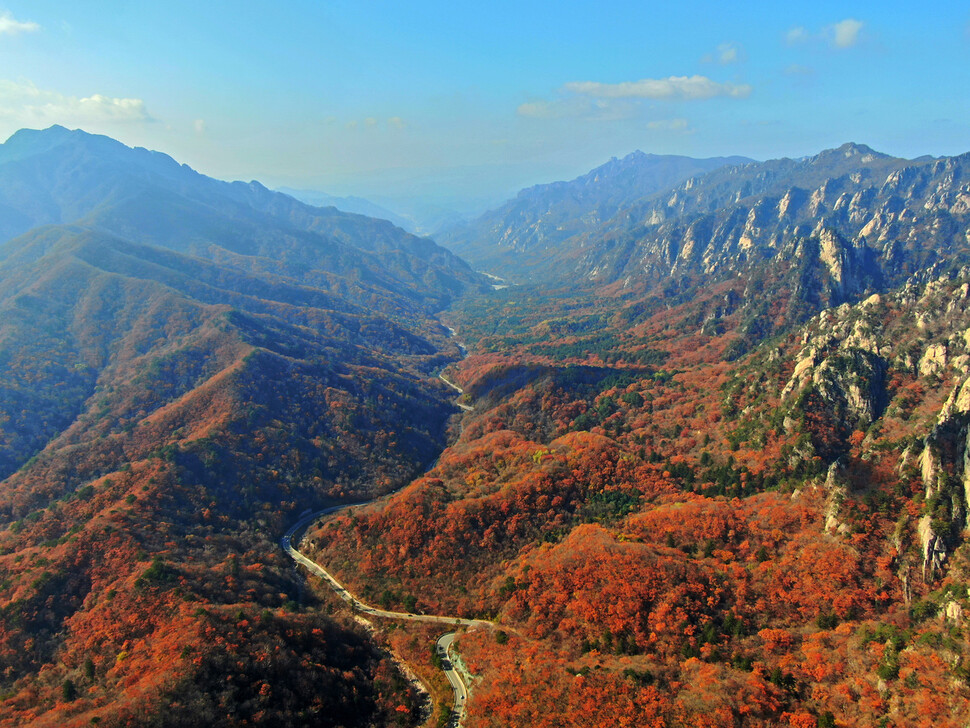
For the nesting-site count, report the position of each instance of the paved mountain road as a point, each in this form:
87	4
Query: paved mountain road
444	642
457	684
466	407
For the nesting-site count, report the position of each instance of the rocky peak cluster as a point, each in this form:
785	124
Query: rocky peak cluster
858	360
900	217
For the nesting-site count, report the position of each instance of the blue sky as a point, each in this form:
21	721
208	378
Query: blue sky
459	101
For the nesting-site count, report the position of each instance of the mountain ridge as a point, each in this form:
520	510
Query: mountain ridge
63	176
898	214
549	213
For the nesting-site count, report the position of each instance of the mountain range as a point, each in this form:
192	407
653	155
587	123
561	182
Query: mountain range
710	466
878	215
542	217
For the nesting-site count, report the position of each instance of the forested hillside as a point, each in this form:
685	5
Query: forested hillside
672	538
185	366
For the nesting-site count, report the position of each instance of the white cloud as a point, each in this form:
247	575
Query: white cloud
673	87
10	26
199	126
371	122
727	53
845	33
27	105
596	101
557	109
101	107
580	107
537	109
798	34
668	125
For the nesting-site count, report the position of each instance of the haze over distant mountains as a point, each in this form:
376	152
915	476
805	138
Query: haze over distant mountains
356	205
416	215
58	176
545	215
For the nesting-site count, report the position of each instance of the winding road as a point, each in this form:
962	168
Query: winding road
466	407
457	684
444	642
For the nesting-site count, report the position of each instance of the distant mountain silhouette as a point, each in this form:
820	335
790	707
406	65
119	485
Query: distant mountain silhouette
356	205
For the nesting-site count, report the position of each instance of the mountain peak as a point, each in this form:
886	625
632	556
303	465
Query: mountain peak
26	142
851	150
54	131
653	171
52	134
33	142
